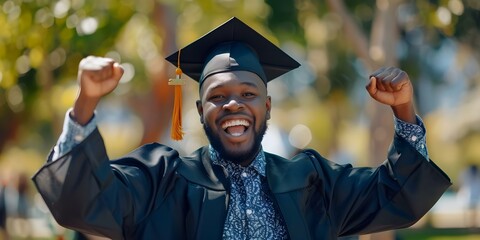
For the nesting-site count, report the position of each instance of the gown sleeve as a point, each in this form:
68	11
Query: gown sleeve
394	195
85	191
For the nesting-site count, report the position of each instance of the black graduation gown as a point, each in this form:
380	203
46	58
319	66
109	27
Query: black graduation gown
152	193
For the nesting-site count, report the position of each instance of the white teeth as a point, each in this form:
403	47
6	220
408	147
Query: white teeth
237	122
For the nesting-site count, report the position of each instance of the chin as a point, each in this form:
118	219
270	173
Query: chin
238	156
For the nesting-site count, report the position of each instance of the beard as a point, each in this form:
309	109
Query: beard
236	156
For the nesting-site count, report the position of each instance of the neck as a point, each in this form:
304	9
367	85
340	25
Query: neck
245	163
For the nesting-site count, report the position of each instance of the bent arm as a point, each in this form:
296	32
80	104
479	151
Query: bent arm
75	187
394	195
86	191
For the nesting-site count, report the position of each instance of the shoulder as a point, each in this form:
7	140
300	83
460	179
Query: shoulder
157	163
302	170
197	169
153	159
156	155
302	160
307	159
285	175
151	154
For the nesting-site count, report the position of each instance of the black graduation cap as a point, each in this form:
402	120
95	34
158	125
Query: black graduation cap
229	47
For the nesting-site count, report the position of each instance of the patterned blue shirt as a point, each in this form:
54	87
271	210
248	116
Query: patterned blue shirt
414	134
252	213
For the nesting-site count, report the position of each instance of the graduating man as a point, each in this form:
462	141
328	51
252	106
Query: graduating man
232	189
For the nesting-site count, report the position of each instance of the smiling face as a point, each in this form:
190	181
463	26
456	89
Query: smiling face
234	109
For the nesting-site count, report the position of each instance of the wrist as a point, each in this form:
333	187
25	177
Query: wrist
83	109
405	112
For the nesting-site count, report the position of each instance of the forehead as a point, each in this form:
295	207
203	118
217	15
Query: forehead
231	79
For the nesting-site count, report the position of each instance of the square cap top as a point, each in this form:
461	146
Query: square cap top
232	46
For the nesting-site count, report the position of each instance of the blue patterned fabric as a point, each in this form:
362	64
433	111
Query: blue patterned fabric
414	134
72	134
251	211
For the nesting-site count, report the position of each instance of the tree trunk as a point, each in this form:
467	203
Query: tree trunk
383	42
380	52
155	107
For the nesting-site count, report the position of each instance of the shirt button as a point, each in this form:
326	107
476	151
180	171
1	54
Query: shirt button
78	138
249	211
422	146
414	138
244	174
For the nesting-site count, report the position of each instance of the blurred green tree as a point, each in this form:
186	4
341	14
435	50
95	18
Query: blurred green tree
339	43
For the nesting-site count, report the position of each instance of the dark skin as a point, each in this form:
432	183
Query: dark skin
234	105
237	99
97	77
392	86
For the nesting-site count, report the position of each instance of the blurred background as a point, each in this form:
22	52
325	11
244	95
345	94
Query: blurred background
322	105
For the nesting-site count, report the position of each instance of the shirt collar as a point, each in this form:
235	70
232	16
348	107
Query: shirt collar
259	163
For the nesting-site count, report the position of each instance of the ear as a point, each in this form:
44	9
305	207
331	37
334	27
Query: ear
268	105
200	110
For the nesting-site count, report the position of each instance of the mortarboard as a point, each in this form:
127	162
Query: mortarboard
231	46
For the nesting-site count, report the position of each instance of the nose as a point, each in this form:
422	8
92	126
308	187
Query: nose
233	105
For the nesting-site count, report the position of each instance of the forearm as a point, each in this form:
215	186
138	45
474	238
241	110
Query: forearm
79	187
84	108
72	135
78	124
405	112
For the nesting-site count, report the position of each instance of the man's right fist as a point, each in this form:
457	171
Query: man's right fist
98	76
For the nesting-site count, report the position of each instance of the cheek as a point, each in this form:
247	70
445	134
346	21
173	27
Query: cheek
209	115
263	110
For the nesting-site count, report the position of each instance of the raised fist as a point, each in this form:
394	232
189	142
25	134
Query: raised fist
98	76
390	86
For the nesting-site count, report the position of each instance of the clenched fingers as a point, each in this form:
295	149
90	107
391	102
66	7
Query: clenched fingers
390	79
97	68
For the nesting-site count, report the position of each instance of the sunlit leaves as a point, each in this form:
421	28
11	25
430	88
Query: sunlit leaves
41	43
15	98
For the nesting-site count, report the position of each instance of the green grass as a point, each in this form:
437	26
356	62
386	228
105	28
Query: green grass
438	234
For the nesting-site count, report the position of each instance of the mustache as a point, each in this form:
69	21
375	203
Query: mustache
224	116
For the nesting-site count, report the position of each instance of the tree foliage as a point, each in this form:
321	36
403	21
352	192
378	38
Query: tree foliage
42	41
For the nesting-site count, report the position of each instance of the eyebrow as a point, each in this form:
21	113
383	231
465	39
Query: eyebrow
249	84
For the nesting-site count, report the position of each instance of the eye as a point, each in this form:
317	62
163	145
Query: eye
249	94
216	98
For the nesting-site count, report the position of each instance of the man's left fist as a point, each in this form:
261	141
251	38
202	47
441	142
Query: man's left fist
390	86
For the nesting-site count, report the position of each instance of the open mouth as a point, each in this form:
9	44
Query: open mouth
236	127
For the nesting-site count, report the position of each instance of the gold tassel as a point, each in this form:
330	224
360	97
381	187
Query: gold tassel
177	131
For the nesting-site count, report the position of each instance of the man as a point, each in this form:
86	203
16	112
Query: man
232	189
